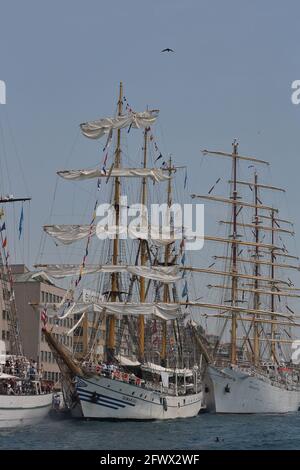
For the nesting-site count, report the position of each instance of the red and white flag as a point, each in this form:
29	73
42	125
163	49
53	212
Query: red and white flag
44	316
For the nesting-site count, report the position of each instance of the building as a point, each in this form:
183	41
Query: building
34	287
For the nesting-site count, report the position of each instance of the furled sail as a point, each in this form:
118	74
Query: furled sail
164	311
166	274
157	174
100	127
67	234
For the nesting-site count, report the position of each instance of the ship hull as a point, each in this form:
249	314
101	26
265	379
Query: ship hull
23	410
233	391
121	400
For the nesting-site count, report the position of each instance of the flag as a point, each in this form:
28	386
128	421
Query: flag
185	179
21	222
185	290
158	158
4	242
3	227
44	316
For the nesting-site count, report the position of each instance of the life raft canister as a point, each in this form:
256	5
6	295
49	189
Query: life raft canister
165	404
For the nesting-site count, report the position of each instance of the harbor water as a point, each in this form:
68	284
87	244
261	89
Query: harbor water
204	432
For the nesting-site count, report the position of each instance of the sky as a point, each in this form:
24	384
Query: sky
230	77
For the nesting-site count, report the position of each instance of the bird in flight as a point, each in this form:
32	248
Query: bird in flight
167	50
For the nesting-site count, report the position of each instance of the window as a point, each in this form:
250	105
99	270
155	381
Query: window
43	297
49	356
50	298
4	314
42	356
3	335
7	335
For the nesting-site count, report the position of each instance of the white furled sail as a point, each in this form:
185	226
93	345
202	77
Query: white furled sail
67	234
157	174
166	274
97	129
164	311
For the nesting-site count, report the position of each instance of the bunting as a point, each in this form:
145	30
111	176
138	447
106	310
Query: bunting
44	316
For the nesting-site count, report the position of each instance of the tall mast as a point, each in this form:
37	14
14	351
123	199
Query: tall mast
141	321
9	301
166	297
114	276
234	256
273	326
256	273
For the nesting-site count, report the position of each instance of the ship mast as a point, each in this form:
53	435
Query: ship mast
234	282
9	301
141	321
114	276
166	296
273	258
256	273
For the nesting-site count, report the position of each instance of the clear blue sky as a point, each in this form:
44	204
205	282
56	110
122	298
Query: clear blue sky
230	77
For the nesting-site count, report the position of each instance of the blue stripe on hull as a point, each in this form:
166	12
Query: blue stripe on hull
114	401
100	404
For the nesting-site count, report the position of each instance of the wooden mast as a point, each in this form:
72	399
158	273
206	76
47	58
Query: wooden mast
166	297
256	273
234	280
141	321
114	276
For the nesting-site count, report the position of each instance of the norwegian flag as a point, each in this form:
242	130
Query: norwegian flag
44	316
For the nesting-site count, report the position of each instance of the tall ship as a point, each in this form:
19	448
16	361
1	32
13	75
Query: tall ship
22	398
150	366
252	360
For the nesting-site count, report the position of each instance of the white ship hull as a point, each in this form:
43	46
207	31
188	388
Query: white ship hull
23	410
121	400
234	391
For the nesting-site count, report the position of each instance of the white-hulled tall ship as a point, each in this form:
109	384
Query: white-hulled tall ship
22	398
250	368
160	375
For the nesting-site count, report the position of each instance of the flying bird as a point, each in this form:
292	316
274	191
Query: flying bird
167	50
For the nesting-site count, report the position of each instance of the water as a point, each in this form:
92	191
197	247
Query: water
199	433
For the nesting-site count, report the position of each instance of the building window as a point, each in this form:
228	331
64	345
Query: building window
4	314
3	335
7	335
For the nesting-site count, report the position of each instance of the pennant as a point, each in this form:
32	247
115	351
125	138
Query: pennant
185	179
99	184
183	259
185	290
21	222
3	227
4	242
1	213
129	128
159	157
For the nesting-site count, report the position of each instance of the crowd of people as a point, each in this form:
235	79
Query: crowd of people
18	376
112	371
